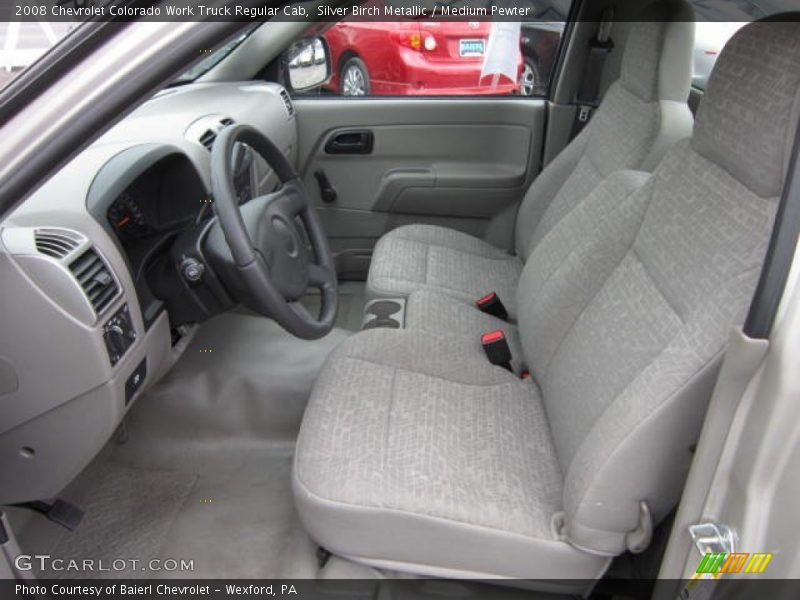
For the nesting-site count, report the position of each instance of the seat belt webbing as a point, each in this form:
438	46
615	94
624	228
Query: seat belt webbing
587	98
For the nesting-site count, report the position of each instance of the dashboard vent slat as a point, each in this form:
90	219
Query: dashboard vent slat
287	102
56	243
96	279
207	139
210	135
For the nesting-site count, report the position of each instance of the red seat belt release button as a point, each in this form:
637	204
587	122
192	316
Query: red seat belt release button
491	305
496	348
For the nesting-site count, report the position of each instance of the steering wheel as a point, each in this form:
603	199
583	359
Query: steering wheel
268	239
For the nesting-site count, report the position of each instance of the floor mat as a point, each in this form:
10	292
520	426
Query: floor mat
243	381
205	473
128	515
239	521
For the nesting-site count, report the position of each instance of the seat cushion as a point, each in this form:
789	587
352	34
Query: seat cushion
444	316
414	453
428	257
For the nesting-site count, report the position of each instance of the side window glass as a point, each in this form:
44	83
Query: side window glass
429	57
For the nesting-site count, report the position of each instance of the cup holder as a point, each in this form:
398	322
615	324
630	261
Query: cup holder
381	322
384	308
386	313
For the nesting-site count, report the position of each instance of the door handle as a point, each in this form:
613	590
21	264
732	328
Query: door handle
351	142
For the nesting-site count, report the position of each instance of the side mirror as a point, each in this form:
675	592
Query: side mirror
308	64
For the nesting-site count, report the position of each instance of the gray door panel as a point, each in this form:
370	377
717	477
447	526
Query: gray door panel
458	162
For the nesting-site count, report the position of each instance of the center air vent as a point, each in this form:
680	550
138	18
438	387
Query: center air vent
209	135
96	279
287	102
56	243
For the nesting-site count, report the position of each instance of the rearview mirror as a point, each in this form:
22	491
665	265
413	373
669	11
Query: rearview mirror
308	64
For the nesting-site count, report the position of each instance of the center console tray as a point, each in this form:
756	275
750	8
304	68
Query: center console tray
384	312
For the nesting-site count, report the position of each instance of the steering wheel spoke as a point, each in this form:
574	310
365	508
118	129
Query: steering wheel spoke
300	310
319	276
267	247
293	198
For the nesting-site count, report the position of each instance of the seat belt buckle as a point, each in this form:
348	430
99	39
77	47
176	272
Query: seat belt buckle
496	348
491	305
584	112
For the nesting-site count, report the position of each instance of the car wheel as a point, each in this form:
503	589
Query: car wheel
529	79
354	78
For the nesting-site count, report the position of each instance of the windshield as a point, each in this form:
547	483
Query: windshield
21	44
210	61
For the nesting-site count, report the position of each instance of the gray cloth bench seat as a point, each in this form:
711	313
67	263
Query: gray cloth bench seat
416	454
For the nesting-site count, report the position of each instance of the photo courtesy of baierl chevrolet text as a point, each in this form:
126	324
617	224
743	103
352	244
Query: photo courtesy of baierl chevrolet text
399	299
151	590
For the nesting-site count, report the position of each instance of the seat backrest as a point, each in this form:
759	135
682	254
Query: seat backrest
624	332
642	114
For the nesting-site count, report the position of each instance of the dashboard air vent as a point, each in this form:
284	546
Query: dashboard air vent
208	137
96	279
56	243
287	102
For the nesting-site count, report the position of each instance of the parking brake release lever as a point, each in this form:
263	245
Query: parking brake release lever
326	190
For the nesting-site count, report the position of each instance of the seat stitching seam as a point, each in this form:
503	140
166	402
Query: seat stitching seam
545	514
605	283
569	166
555	225
509	258
471	253
387	437
565	215
451	293
687	382
593	164
581	247
428	244
427	264
667	345
656	285
512	384
578	318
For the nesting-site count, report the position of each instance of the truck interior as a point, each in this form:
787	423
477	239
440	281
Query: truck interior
289	334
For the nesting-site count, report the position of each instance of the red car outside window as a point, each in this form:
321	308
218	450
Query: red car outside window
413	58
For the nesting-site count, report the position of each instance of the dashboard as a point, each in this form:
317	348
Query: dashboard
88	269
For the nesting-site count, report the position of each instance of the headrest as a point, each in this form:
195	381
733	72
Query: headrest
662	35
748	117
